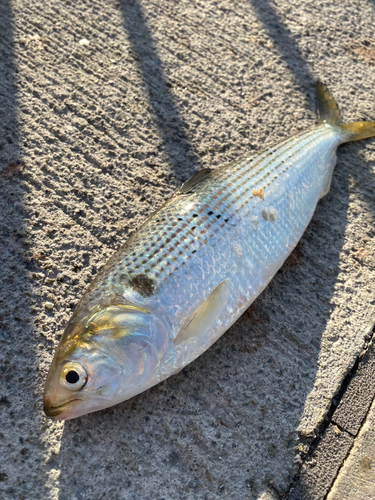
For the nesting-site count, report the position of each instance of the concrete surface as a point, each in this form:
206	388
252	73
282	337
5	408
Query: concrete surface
357	476
355	404
318	473
105	108
341	463
348	442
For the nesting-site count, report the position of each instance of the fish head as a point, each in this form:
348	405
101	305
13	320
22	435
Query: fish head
104	360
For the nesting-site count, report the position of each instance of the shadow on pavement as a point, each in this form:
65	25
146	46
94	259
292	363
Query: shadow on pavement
173	128
285	45
19	436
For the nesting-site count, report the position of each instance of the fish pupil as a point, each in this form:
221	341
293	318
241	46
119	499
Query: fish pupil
72	377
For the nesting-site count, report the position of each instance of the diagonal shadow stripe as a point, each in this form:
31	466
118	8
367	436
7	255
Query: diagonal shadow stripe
172	126
291	55
285	44
17	338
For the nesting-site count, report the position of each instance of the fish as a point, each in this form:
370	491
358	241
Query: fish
190	271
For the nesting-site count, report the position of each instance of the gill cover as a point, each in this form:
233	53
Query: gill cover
111	356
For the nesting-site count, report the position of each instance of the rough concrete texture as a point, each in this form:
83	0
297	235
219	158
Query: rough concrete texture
106	107
318	472
357	476
354	405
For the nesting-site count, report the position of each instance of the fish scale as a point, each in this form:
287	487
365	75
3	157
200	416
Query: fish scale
180	253
193	268
257	241
172	263
233	185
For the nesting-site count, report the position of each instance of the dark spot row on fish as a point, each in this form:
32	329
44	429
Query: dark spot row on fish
166	232
163	260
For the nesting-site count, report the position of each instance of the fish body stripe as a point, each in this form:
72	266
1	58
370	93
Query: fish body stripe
183	225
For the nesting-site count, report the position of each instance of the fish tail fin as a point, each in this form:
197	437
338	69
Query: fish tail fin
328	110
329	113
359	130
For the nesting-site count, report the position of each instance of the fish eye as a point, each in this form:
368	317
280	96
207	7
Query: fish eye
73	376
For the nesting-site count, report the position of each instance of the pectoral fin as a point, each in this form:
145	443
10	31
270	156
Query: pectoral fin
206	315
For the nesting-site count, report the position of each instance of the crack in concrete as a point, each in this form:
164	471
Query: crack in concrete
296	487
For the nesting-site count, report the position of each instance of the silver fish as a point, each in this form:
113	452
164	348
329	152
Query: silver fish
193	268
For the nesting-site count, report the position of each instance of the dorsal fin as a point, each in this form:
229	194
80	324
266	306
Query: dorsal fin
194	181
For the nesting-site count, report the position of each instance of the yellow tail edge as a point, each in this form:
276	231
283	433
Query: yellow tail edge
329	113
359	130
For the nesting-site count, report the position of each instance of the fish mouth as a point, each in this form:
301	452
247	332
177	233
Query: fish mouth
55	410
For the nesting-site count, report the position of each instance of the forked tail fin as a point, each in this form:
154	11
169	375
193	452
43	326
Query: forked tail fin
329	113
